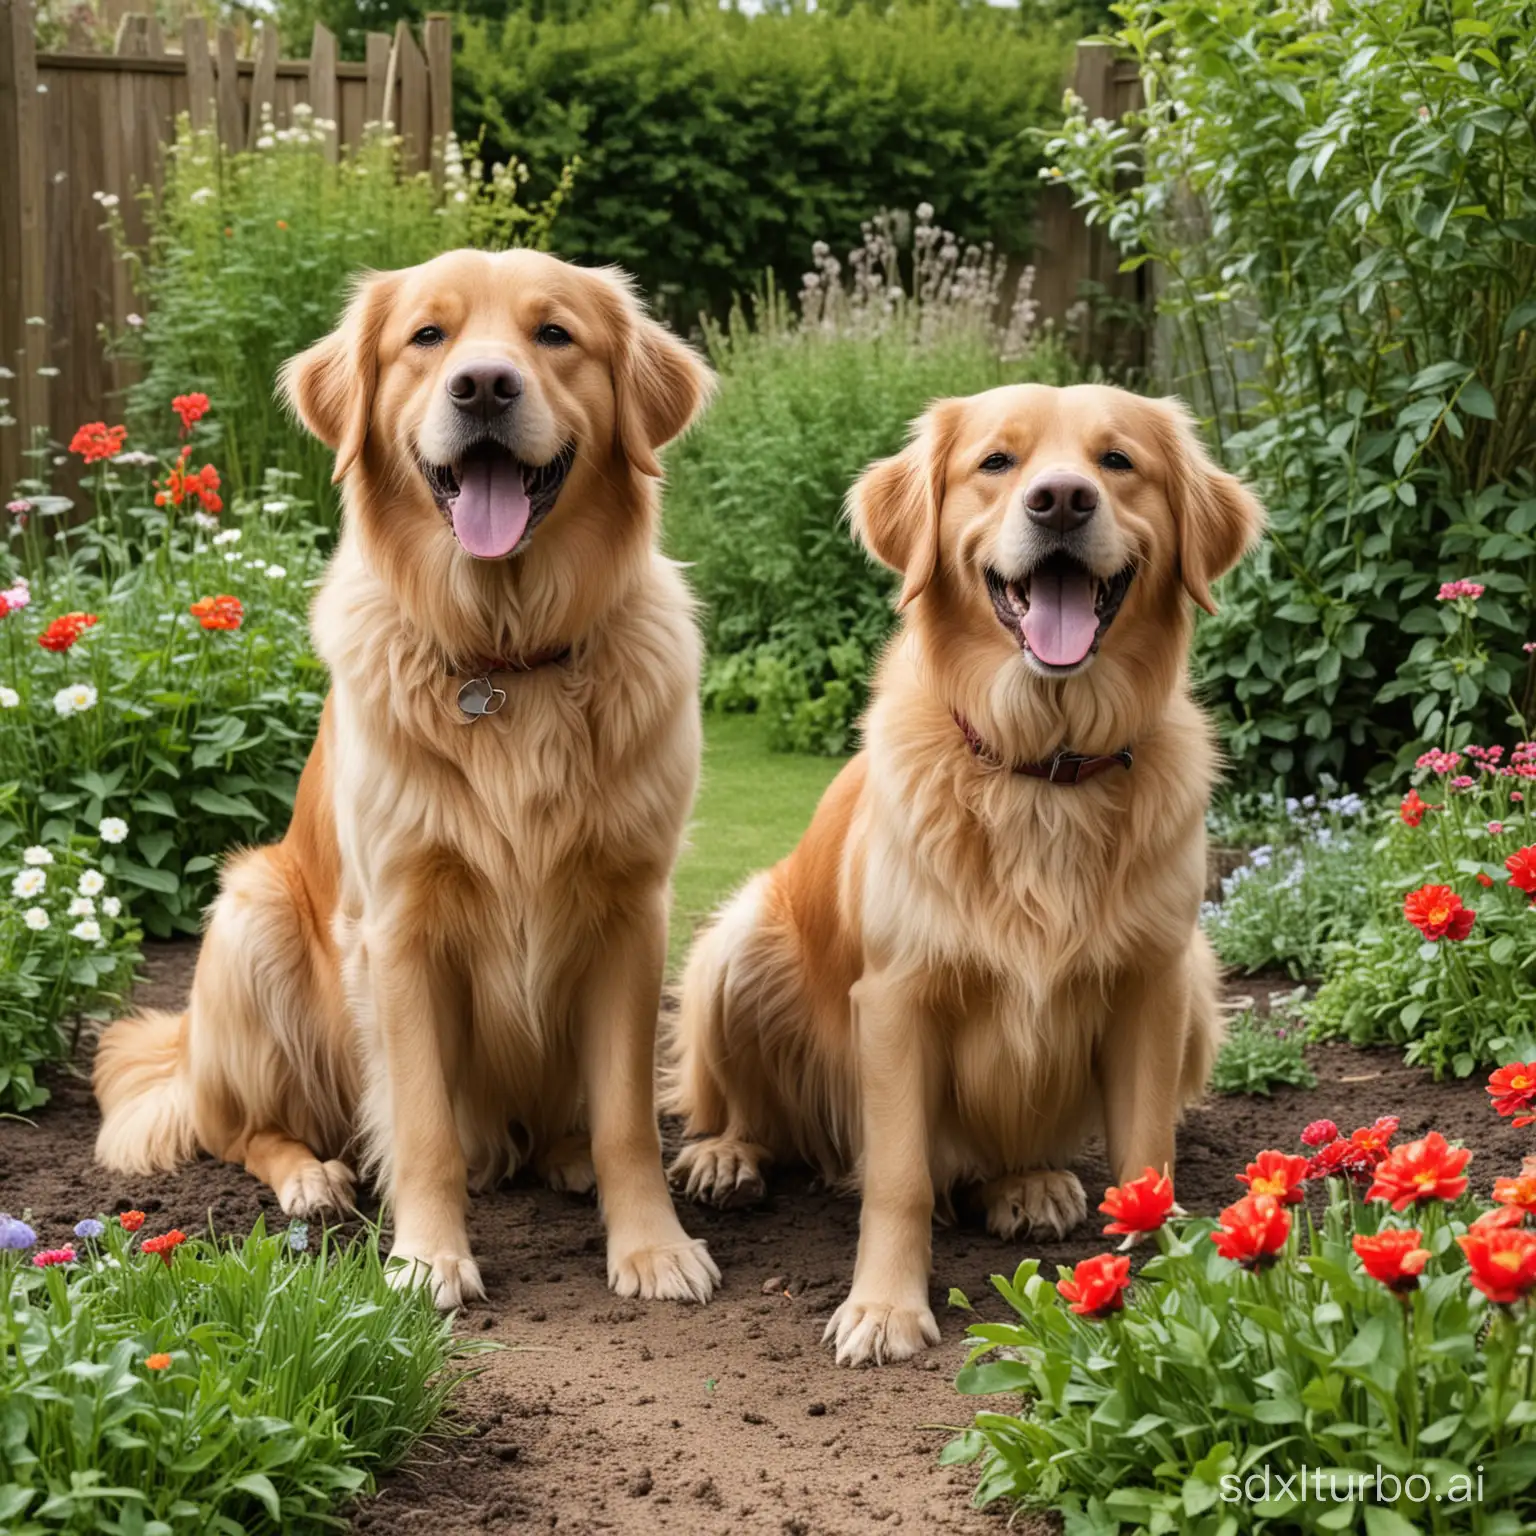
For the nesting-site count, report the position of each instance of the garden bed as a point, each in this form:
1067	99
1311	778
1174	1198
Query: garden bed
610	1416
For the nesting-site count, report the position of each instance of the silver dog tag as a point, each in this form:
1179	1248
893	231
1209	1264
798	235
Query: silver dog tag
479	696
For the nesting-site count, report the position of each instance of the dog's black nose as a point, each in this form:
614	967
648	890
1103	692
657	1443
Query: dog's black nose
485	388
1060	500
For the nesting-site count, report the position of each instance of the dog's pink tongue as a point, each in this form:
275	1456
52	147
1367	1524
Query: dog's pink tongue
490	513
1061	623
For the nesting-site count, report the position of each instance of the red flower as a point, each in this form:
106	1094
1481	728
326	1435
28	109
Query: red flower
180	483
96	440
1097	1286
1414	807
1502	1261
157	1363
131	1221
1429	1169
1514	1092
1253	1231
1319	1134
191	409
1437	912
165	1245
1522	869
1484	880
51	1256
1393	1257
1497	1219
221	612
1276	1173
63	631
1520	1194
1139	1205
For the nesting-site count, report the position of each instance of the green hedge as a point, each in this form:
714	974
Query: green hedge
714	145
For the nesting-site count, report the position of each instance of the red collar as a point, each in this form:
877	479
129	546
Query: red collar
1064	768
529	661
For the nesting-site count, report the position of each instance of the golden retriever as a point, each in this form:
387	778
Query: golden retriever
457	950
986	943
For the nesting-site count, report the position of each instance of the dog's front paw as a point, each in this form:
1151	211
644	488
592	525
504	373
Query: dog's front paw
453	1277
878	1332
319	1189
1048	1202
680	1270
719	1171
567	1166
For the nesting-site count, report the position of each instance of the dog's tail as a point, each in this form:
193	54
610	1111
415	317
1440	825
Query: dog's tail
143	1083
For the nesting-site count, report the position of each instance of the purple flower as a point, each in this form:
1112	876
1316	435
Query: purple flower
15	1234
90	1227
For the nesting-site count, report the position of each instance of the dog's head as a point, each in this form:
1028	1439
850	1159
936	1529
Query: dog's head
1055	522
482	386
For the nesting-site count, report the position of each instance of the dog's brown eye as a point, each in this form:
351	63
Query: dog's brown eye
1114	459
428	336
552	336
996	463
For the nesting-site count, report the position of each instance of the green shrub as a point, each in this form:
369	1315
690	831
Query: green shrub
249	260
715	145
67	950
1285	1388
1341	202
1260	1054
235	1387
810	392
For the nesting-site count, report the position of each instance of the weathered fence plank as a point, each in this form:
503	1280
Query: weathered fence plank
322	84
437	41
263	82
231	110
200	86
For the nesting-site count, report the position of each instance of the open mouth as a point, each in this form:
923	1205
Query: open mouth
1059	611
492	500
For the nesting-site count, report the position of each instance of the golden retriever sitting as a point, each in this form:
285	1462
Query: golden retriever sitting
457	949
986	943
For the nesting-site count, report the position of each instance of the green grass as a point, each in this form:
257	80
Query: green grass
753	805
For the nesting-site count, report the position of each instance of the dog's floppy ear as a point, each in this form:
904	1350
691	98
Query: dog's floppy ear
894	507
331	386
659	384
1217	517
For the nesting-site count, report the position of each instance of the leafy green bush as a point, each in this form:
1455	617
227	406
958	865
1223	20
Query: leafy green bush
1341	202
249	259
210	1386
67	950
716	144
1260	1054
1361	1374
191	729
809	393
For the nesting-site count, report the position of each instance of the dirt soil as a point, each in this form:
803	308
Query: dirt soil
611	1416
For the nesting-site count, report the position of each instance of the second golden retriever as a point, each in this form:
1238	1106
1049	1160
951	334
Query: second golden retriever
986	944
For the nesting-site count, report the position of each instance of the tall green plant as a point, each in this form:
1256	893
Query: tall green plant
1341	202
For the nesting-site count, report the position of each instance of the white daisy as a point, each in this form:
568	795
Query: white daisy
30	882
9	698
228	536
113	829
82	906
36	856
35	919
92	883
111	905
276	572
87	931
74	700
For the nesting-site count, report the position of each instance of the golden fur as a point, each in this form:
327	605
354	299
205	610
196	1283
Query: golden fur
962	970
455	955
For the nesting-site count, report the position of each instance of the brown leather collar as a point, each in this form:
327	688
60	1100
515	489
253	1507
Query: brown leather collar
1064	768
531	661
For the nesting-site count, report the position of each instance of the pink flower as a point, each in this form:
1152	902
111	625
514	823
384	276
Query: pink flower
1461	781
1452	590
51	1256
1319	1133
1495	829
1529	647
1440	762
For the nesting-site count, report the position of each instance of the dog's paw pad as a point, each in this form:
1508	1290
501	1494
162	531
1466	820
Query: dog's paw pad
674	1271
878	1333
453	1278
319	1189
719	1172
1049	1203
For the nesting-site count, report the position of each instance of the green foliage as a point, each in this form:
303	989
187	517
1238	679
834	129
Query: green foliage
294	1379
1342	201
1260	1054
249	260
715	145
66	949
1191	1409
809	394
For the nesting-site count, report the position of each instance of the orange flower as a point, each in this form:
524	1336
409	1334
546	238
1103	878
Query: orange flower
1413	808
1252	1231
1519	1193
96	440
1393	1257
1376	1137
1139	1205
1502	1261
1514	1092
282	223
1498	1218
157	1363
221	612
1097	1286
165	1245
1279	1174
63	631
191	409
1419	1171
131	1221
180	483
1438	913
1486	881
1522	869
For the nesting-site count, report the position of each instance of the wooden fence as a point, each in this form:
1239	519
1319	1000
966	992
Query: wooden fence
78	125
